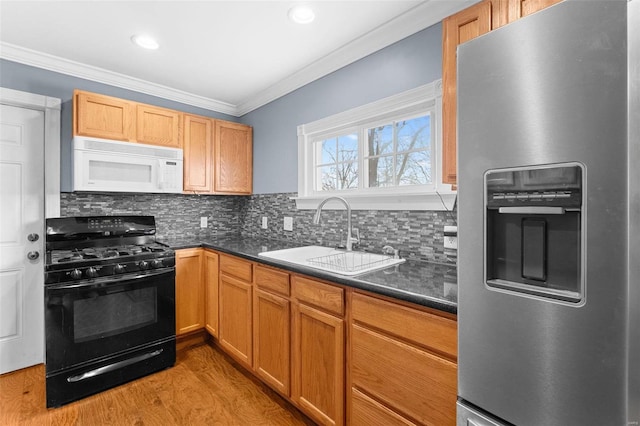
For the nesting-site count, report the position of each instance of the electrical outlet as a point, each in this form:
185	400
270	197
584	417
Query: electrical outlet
451	237
203	222
288	224
451	243
264	222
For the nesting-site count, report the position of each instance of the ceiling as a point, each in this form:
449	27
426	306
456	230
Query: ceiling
226	56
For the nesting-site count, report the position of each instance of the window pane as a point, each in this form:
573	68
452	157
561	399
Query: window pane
329	154
380	140
347	175
348	148
414	168
414	133
326	178
380	171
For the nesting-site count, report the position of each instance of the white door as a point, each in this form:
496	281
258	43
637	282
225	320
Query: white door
21	237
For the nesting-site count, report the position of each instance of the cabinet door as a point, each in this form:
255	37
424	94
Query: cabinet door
189	291
456	29
102	116
521	8
318	364
158	126
233	153
211	291
198	153
235	318
271	339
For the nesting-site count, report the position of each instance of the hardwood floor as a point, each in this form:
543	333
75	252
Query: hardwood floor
203	388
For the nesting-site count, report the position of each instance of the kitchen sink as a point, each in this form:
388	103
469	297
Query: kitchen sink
333	260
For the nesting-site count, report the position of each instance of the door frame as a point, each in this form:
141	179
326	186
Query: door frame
51	108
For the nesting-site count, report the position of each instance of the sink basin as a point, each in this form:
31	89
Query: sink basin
332	260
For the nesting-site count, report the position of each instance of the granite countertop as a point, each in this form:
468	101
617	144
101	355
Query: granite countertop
429	284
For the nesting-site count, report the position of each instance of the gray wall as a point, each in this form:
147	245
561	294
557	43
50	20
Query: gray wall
407	64
48	83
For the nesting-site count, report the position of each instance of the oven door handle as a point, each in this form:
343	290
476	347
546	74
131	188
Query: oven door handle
112	280
112	367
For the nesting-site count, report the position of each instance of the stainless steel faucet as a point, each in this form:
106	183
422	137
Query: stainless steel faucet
350	238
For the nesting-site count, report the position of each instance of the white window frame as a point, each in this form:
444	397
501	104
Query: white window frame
411	103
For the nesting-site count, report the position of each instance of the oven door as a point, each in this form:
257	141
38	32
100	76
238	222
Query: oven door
103	317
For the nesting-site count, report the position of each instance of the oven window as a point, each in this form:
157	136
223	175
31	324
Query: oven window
106	315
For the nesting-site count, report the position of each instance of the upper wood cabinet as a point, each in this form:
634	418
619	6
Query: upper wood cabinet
107	117
198	153
158	126
459	28
102	116
233	154
218	156
190	291
463	26
521	8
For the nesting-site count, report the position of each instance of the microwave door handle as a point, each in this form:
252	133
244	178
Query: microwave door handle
532	210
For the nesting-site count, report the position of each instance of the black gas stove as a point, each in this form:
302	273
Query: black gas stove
109	304
86	248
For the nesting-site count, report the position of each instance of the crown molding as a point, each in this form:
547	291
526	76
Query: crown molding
418	18
65	66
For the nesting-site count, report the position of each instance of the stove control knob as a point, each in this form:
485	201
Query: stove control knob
157	263
143	264
119	269
92	272
76	274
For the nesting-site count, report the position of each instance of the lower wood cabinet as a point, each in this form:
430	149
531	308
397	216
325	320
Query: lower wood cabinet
211	289
271	339
272	328
291	331
318	351
190	291
367	411
235	305
402	365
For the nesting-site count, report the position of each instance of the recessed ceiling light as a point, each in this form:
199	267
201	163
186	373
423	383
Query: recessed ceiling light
301	14
145	41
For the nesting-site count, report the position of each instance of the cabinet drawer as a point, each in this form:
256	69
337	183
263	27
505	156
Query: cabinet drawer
325	296
414	382
367	412
273	280
425	329
236	267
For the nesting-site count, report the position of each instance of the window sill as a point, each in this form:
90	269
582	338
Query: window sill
399	201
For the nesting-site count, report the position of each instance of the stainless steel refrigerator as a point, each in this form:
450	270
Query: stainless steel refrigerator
549	219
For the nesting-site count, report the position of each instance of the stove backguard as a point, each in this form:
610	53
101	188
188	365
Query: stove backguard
533	231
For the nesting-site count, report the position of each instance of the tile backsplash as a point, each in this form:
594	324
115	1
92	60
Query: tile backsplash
177	215
417	234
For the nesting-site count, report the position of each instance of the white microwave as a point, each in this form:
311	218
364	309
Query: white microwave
111	166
